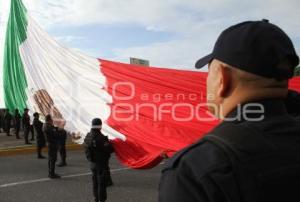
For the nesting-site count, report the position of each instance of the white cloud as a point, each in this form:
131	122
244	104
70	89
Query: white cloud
68	39
179	53
195	23
81	12
199	34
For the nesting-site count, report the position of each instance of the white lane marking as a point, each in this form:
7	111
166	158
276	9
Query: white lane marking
48	179
66	176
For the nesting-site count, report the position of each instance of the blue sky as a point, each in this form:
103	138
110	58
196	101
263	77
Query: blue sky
169	33
101	41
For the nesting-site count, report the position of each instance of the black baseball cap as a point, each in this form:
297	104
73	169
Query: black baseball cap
257	47
96	123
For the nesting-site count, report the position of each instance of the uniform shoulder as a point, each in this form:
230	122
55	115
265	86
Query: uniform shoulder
200	158
87	137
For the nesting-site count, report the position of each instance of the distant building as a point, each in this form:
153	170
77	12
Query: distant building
137	61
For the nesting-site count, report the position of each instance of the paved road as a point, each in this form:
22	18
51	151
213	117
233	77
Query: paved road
23	179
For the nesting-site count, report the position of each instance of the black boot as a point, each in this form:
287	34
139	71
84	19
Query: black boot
39	153
54	176
108	179
52	173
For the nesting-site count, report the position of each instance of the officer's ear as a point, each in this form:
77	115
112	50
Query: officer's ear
225	80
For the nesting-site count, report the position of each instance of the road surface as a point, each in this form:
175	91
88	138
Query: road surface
23	178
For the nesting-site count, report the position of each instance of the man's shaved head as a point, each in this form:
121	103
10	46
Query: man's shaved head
227	86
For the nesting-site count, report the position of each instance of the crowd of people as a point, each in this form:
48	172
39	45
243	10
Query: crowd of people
98	148
31	125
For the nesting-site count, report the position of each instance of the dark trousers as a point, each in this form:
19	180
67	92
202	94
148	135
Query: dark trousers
108	179
40	144
62	152
26	134
52	156
17	128
39	151
32	132
99	185
7	129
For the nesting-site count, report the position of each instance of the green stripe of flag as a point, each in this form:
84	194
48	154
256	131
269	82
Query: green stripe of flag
14	79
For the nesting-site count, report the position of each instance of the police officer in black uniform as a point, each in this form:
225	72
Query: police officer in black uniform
98	149
7	122
62	134
253	155
17	123
26	125
40	137
52	137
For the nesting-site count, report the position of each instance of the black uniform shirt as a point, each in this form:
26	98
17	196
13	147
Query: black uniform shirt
26	120
187	176
95	149
38	126
62	136
52	136
18	118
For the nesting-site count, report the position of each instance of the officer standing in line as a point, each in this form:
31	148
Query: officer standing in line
98	149
253	155
62	134
7	122
52	137
31	129
40	137
17	123
26	125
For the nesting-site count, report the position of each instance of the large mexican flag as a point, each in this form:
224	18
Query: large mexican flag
146	110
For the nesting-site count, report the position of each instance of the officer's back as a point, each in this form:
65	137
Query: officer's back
96	150
38	127
51	135
253	155
26	119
